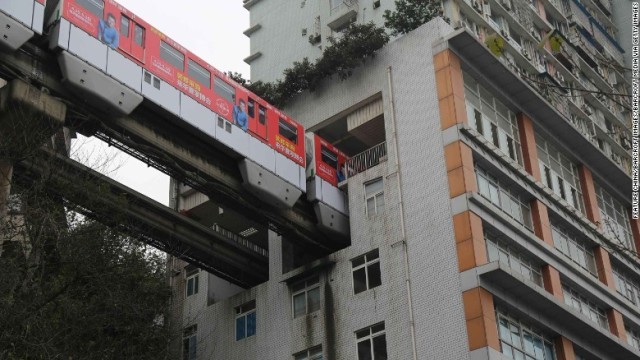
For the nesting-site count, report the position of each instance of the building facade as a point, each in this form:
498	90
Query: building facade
492	219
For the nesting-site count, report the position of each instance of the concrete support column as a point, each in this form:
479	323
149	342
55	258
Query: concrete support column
616	324
479	312
450	87
603	265
529	149
541	224
6	172
552	283
470	243
460	170
589	194
564	348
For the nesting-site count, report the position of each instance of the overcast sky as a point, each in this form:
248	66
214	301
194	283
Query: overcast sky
211	29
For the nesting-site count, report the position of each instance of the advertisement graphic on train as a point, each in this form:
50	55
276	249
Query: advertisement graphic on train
167	60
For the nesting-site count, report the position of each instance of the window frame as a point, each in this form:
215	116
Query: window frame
369	260
190	338
290	130
192	276
200	71
375	196
536	336
90	9
308	285
380	331
245	311
560	234
220	84
312	353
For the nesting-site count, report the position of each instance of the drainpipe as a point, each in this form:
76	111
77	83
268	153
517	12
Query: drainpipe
403	240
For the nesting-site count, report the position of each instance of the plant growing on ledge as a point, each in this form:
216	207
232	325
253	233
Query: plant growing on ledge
410	14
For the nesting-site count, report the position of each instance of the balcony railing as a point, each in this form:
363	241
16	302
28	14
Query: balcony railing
366	159
239	239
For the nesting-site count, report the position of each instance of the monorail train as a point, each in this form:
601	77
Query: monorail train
116	59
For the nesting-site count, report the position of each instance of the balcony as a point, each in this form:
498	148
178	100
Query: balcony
366	159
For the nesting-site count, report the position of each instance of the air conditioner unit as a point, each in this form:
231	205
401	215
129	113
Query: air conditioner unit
626	144
587	110
560	77
506	4
525	53
477	6
535	34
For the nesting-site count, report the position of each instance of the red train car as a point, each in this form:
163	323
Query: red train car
158	54
328	161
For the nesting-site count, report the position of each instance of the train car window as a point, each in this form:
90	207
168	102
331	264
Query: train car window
251	107
138	37
202	75
124	26
225	90
328	157
96	7
171	55
262	119
290	132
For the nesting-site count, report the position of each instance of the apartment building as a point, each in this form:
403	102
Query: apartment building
488	186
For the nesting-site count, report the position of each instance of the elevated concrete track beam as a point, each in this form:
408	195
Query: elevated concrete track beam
116	205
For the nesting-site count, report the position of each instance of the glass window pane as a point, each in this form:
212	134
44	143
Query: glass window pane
240	328
124	26
375	278
313	297
138	36
199	73
379	348
364	350
299	305
224	90
373	187
171	55
359	280
251	324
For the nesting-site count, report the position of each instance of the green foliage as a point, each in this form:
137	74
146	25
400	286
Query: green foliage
410	14
73	289
340	57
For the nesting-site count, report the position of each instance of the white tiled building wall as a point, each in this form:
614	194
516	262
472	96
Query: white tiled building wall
433	270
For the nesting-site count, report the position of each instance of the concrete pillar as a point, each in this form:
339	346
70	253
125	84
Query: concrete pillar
552	283
479	312
28	118
589	194
541	224
564	349
529	149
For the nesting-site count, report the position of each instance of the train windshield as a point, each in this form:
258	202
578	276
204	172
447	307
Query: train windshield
288	131
96	7
328	157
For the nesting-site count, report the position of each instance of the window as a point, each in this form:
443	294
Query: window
315	353
498	250
491	118
96	7
584	306
329	157
366	271
626	286
138	38
505	198
189	343
614	217
374	196
633	337
124	26
579	251
251	107
202	75
520	341
262	116
559	173
306	296
171	55
288	131
371	342
192	280
246	320
223	89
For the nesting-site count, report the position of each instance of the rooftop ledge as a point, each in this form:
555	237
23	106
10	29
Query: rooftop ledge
477	57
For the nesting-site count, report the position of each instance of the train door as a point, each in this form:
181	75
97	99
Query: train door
261	124
132	38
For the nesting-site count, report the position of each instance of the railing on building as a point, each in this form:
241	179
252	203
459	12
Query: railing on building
240	240
366	159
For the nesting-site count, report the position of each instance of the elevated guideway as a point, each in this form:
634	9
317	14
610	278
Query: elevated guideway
161	140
